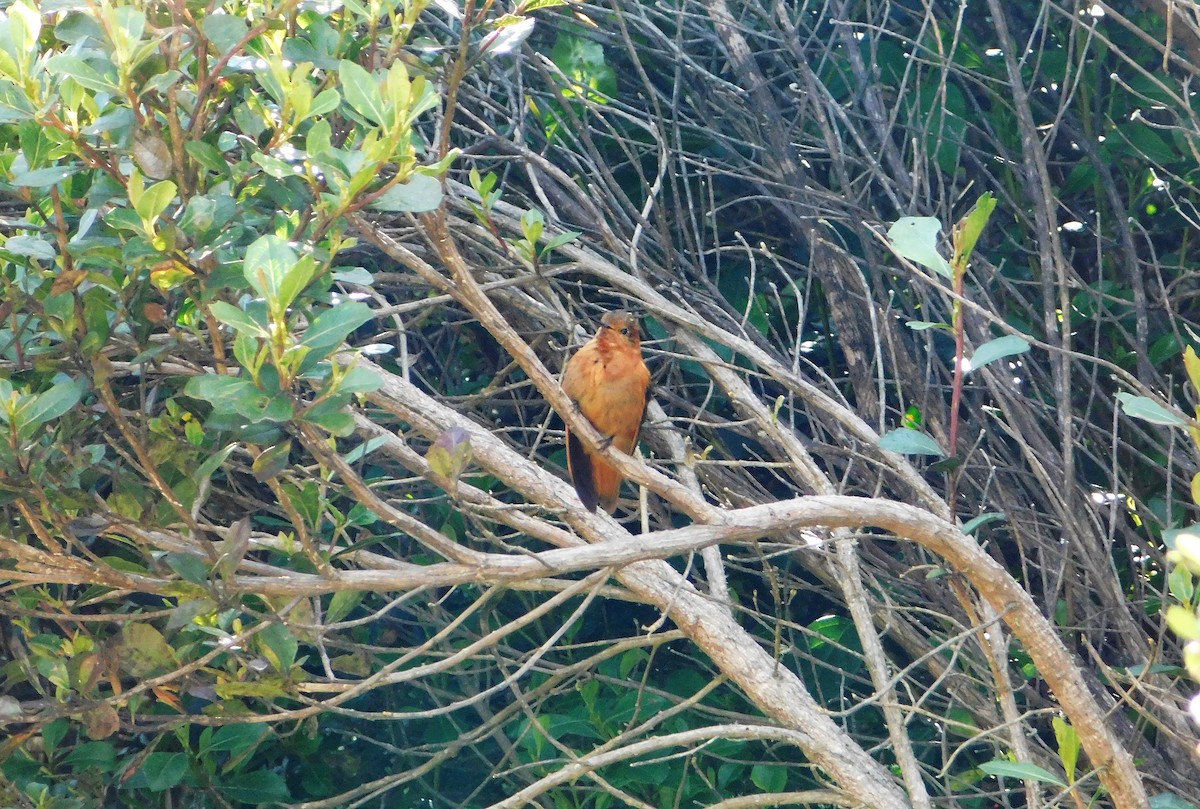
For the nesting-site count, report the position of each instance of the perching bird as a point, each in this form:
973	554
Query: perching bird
610	384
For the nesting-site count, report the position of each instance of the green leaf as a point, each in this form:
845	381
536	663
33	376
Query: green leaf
973	525
82	72
208	156
915	238
272	461
238	319
342	604
52	403
31	247
268	264
188	566
1024	772
24	27
450	454
274	166
43	178
205	470
99	757
258	787
53	734
1068	746
163	771
331	328
279	646
1183	622
326	101
144	651
154	200
418	195
224	30
337	422
1146	409
769	778
996	349
532	224
563	238
362	92
233	739
1191	363
1168	800
907	441
1171	535
359	380
922	325
1182	584
966	234
240	396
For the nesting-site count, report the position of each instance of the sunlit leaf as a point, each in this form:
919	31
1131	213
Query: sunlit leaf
450	453
915	238
1021	771
31	246
274	270
85	73
154	200
237	318
1068	746
224	30
910	442
507	39
331	328
240	396
966	233
1191	362
418	195
361	92
1001	347
43	178
1146	409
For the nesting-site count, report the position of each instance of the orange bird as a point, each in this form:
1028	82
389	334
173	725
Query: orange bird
610	384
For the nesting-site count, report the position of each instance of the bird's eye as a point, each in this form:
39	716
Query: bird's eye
625	331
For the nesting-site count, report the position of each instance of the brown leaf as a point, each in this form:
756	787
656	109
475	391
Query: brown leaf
67	281
101	721
151	154
154	313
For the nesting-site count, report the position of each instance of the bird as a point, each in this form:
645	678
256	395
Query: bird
609	383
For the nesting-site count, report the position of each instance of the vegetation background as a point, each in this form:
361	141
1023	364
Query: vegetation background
285	290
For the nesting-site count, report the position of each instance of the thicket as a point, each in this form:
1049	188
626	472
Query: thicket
285	290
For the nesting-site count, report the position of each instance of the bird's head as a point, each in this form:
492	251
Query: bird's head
621	325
